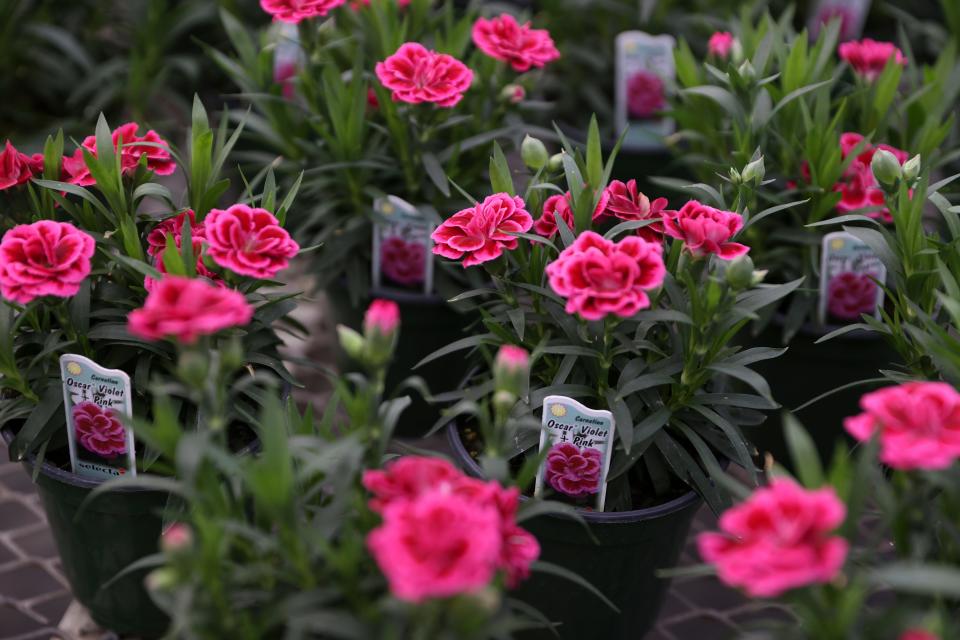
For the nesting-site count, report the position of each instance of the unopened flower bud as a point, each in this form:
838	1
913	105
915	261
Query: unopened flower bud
736	51
351	342
510	369
747	71
911	169
740	272
177	537
380	329
735	176
556	162
161	579
193	367
754	171
759	276
513	93
886	168
534	153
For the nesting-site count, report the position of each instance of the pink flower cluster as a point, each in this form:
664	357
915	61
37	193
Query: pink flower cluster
45	258
918	423
17	168
573	471
159	159
173	228
99	430
415	74
481	233
599	277
546	224
705	230
293	11
850	295
504	39
859	188
869	57
443	533
187	308
779	539
720	44
625	202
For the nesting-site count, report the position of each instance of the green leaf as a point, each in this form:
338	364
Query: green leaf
436	174
937	581
48	411
743	374
594	155
803	452
622	419
501	179
541	566
459	345
640	383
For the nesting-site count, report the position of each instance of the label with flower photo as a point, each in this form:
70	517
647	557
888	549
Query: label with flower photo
97	400
852	15
849	273
402	257
645	73
579	442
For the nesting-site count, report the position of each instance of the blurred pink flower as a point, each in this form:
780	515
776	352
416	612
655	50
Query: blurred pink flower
919	424
778	539
918	634
99	430
293	11
17	168
869	57
415	74
504	39
720	44
406	478
403	262
481	233
705	230
849	295
45	258
382	316
858	187
573	471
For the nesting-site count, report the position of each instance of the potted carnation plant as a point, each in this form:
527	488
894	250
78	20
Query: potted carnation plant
638	321
86	270
384	101
819	113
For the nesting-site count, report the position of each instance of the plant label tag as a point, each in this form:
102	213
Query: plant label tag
578	442
849	275
851	13
645	73
288	58
402	248
97	401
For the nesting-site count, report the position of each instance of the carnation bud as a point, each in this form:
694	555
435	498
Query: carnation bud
740	272
193	368
177	537
911	169
758	276
513	93
380	329
510	369
747	71
735	176
161	579
556	162
736	51
754	171
351	342
886	168
534	153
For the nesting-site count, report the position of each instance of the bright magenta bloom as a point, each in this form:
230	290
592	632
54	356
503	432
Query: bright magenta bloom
159	159
599	277
705	230
504	39
546	224
383	316
625	202
573	471
403	262
99	430
415	74
186	308
720	44
157	238
481	233
849	295
859	188
869	57
293	11
918	634
919	424
512	358
645	95
45	258
406	478
777	540
248	241
17	168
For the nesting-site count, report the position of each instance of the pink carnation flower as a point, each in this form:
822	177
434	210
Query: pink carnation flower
17	168
720	44
918	634
858	187
546	224
159	159
705	230
645	95
248	241
187	308
573	471
382	316
406	478
599	277
919	424
415	74
504	39
403	262
869	57
45	258
173	226
625	202
293	11
481	233
99	430
849	295
779	539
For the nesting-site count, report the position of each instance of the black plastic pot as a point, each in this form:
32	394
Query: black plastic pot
427	323
622	562
808	370
114	530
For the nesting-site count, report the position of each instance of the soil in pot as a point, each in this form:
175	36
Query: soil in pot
427	323
621	560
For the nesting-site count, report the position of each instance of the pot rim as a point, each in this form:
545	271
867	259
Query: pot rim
617	517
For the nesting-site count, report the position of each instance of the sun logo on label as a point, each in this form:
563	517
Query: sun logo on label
836	244
558	410
74	368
